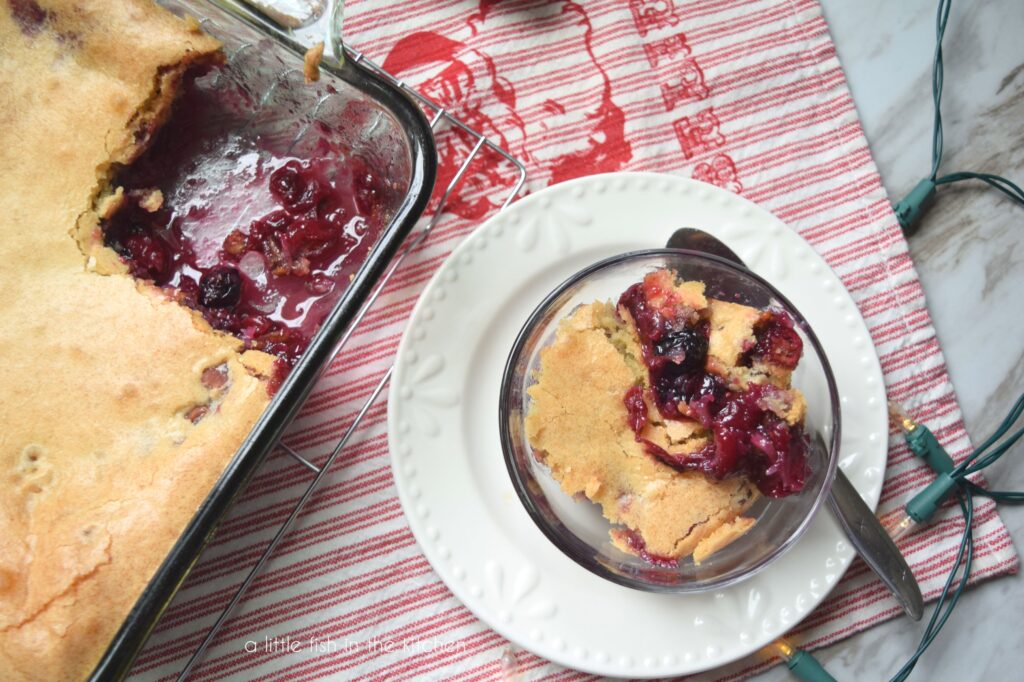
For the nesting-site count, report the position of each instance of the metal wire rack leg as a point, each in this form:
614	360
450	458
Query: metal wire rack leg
439	114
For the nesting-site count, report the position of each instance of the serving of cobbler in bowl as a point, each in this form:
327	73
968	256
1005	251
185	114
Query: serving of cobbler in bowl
669	421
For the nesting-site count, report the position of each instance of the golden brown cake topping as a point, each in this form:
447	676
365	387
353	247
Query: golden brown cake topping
113	432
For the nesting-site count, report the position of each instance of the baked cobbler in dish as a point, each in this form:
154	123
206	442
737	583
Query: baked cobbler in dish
673	411
143	326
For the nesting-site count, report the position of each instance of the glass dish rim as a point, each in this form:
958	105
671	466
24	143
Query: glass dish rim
519	483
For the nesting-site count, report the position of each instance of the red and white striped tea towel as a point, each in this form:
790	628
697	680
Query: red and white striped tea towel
746	94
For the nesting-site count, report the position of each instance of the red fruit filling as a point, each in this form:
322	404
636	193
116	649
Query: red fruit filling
638	547
748	438
262	243
776	341
636	409
674	342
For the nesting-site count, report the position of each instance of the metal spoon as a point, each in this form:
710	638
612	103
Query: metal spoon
859	523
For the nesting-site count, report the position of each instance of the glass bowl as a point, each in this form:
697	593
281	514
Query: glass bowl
576	526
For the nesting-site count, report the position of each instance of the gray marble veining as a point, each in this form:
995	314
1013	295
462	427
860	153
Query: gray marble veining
969	251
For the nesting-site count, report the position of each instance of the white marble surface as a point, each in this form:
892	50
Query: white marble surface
969	251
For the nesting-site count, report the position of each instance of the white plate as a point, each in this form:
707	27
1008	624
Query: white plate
447	461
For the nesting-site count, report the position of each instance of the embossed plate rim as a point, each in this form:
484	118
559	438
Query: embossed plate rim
496	565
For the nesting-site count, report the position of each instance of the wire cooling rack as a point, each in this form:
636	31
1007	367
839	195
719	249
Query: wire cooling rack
440	119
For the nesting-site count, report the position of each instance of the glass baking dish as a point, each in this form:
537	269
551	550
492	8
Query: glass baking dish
389	132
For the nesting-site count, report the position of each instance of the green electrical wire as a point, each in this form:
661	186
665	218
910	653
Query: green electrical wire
910	208
924	444
924	504
951	479
921	508
947	600
954	482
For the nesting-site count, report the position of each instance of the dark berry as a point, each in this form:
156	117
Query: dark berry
221	287
309	236
650	324
686	347
777	341
293	188
286	183
147	256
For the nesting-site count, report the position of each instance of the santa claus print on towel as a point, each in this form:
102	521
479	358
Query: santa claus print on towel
579	133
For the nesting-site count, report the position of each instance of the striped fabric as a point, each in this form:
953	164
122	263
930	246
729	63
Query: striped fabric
746	94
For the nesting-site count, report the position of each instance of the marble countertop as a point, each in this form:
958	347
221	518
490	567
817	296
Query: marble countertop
969	252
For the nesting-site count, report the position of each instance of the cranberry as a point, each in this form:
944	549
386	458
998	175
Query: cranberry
272	223
648	320
214	377
293	188
309	236
286	183
196	414
705	396
148	256
674	348
336	218
777	341
221	287
290	241
284	343
311	194
784	446
636	408
260	230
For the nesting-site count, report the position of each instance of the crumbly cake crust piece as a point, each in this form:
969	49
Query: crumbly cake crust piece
120	407
577	424
732	335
